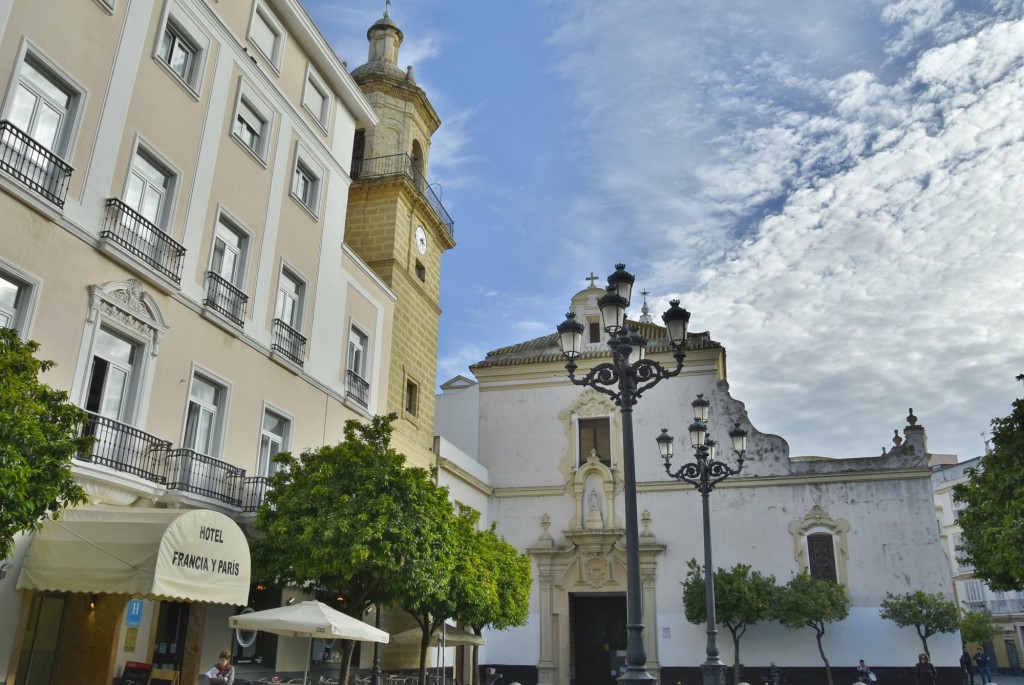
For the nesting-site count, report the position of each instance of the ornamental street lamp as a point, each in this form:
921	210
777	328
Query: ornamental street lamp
624	379
705	473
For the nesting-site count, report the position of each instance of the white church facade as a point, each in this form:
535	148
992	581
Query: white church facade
543	459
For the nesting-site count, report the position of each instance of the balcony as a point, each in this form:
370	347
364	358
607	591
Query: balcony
188	471
357	388
124	448
402	165
289	342
26	160
143	239
254	491
224	298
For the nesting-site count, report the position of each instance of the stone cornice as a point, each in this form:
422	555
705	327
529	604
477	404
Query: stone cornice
758	482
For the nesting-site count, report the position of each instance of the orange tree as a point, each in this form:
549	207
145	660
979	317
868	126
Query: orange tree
39	434
351	520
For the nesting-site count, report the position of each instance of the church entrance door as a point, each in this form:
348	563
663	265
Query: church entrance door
598	639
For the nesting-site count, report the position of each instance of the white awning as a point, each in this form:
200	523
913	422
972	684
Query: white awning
187	555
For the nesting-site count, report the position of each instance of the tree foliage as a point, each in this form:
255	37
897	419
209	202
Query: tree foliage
351	520
976	626
812	602
742	598
993	522
39	434
928	613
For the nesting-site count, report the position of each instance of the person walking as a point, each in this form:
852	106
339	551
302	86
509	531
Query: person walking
981	661
967	667
924	670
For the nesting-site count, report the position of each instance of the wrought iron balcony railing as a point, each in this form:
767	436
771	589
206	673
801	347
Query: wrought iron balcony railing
289	342
124	448
402	165
357	388
223	297
189	471
41	170
142	238
254	491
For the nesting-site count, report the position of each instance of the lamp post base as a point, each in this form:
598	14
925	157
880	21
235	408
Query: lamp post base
713	672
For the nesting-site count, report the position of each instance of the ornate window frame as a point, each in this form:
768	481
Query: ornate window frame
817	520
126	308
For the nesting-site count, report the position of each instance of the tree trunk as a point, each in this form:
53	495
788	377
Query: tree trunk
424	648
347	649
736	634
821	650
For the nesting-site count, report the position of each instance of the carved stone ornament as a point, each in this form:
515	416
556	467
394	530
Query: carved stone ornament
595	572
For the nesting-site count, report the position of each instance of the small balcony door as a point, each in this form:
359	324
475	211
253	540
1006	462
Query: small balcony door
111	381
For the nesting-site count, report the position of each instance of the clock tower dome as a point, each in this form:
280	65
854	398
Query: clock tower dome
398	226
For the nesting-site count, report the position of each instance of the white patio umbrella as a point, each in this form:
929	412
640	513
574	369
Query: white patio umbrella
310	619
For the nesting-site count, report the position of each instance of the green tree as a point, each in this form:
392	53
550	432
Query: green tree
976	626
351	520
38	437
812	602
742	598
928	613
513	580
993	522
431	608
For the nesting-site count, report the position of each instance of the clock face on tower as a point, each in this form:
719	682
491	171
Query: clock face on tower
421	240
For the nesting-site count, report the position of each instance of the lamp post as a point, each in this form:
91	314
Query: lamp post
704	473
376	675
625	379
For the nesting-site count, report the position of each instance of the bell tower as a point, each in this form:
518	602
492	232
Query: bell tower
398	226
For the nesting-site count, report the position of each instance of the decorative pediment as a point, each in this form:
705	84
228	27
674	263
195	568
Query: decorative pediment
128	304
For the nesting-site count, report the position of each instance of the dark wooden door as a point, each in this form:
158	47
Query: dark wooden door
598	637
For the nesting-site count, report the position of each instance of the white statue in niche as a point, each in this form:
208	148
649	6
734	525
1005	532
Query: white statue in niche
594	505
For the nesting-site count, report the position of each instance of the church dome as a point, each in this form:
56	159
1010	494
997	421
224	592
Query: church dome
385	38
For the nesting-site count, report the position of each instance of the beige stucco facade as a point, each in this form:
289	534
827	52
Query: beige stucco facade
176	242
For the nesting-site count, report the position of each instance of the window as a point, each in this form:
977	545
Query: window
357	341
225	279
316	98
266	35
204	416
11	295
595	434
37	127
594	331
288	340
273	439
974	591
290	293
306	187
412	392
821	556
43	106
228	253
250	128
149	185
356	386
112	377
421	271
820	545
179	53
17	298
117	359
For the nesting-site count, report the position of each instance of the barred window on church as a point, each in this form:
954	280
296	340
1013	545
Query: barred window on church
821	557
595	434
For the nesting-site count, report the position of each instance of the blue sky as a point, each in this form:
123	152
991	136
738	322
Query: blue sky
831	188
